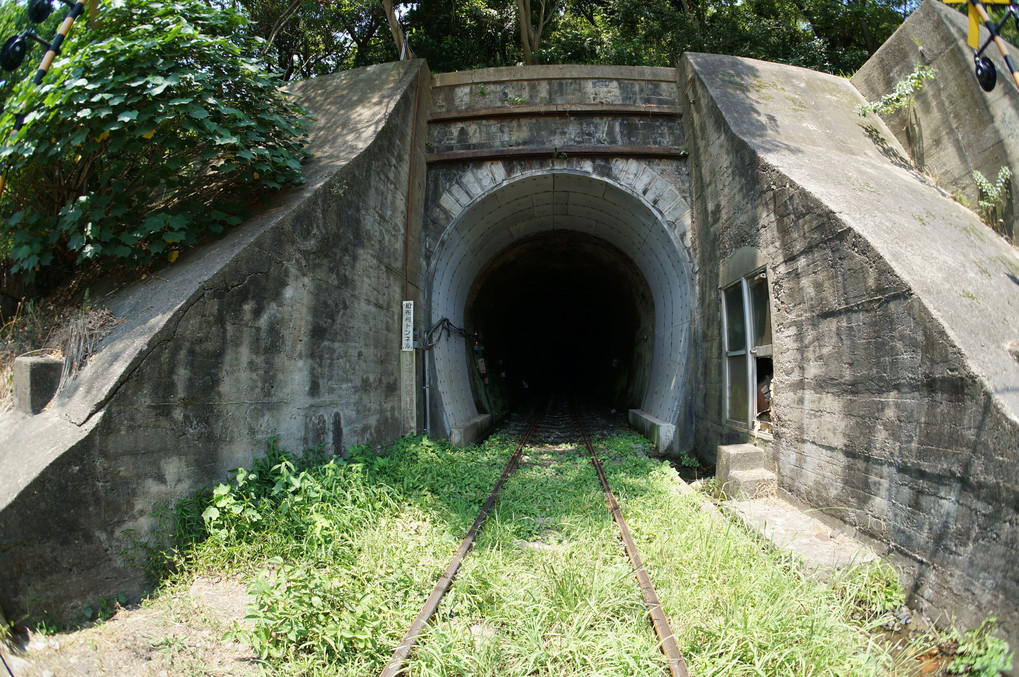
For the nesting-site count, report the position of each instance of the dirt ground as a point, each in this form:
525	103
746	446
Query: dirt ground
176	635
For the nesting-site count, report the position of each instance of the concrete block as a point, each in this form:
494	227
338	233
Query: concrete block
662	434
470	431
744	485
739	457
36	380
733	458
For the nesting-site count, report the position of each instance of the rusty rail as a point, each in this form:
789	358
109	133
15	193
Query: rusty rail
395	666
677	664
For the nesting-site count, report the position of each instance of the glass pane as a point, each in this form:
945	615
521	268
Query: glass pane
735	328
738	388
761	311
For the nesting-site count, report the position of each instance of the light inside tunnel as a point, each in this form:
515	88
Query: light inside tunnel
560	313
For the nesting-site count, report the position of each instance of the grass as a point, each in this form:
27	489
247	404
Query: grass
341	554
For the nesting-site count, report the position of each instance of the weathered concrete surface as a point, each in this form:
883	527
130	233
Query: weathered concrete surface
957	126
36	380
479	209
661	433
470	431
744	471
895	399
820	547
288	326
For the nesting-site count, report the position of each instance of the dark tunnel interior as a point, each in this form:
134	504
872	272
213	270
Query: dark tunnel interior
561	313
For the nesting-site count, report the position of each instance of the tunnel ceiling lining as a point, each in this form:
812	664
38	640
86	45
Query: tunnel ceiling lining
562	200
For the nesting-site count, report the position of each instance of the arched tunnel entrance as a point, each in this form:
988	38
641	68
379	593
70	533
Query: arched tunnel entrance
561	312
564	279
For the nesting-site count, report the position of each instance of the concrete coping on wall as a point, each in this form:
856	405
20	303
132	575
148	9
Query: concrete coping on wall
661	433
740	263
556	72
36	380
470	431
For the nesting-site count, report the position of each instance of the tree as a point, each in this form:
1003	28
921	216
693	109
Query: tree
464	34
399	39
305	38
143	137
532	25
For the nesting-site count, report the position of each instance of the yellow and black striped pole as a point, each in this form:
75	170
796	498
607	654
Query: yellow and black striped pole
979	12
77	9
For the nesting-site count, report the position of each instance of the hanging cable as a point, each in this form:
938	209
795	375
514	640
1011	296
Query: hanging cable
442	326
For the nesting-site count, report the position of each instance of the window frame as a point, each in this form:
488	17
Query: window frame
751	351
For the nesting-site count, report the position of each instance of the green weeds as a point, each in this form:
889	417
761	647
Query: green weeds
902	95
995	198
873	588
341	554
981	655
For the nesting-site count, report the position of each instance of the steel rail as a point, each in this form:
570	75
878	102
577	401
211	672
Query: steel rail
677	664
395	666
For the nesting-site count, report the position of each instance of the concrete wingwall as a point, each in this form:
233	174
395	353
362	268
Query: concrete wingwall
290	326
895	398
954	127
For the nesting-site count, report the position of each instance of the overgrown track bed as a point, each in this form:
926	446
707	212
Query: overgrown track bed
549	423
339	554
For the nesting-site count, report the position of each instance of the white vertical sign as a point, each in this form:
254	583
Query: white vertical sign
408	326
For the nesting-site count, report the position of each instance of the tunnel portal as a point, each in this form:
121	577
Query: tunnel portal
564	313
564	279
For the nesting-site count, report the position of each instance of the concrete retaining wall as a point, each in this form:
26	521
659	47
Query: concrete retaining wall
956	127
895	398
290	326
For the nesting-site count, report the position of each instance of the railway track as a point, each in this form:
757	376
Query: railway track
548	424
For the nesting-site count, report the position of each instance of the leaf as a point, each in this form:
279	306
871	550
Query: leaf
211	514
127	116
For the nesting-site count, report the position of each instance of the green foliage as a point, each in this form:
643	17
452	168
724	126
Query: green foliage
103	610
462	35
689	460
981	655
305	38
13	20
996	198
308	607
343	551
873	589
144	138
902	95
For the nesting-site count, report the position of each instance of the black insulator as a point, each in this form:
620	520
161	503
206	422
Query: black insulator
39	10
12	54
987	74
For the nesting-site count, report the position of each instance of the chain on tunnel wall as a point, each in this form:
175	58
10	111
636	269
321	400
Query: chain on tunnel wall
494	206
